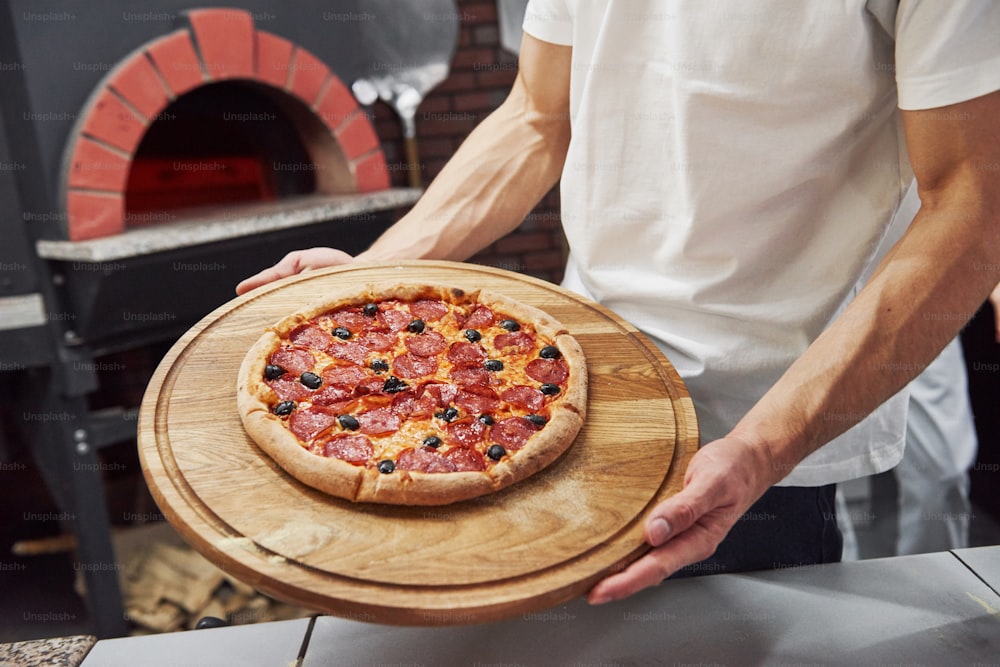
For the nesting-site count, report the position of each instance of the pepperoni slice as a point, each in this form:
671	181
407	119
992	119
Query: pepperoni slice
332	395
294	360
515	341
466	431
310	335
465	459
352	320
524	396
395	320
443	394
408	405
369	386
350	447
288	388
378	340
481	318
429	309
547	370
477	399
411	366
307	423
351	351
470	376
424	459
379	421
466	353
427	344
345	375
512	432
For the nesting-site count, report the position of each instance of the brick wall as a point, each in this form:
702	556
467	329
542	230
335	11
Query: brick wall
481	74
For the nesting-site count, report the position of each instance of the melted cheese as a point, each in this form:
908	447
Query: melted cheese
412	432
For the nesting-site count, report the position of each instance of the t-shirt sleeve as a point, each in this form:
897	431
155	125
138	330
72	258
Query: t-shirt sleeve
947	51
549	21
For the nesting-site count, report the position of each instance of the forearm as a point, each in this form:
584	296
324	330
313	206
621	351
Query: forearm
508	163
926	289
492	182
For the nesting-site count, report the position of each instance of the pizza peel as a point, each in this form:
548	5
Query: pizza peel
412	44
536	544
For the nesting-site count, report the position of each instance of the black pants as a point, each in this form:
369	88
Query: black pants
789	526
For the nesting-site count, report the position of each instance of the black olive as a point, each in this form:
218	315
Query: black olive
416	326
343	333
210	622
432	441
550	352
284	408
348	423
537	420
493	365
473	335
448	415
380	366
386	466
496	452
393	385
370	310
273	372
549	389
510	325
311	380
487	419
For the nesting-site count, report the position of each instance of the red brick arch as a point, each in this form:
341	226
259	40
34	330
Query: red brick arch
217	44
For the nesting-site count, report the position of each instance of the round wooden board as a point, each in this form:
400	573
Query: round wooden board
528	547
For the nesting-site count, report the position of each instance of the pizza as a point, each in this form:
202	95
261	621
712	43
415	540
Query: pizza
413	395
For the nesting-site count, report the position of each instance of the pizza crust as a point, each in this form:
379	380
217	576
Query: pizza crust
366	484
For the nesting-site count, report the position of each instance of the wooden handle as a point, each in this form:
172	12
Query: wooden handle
413	163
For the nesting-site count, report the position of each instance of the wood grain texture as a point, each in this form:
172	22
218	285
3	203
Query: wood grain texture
538	543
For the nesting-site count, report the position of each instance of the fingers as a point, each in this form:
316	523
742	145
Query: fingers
282	269
694	545
294	263
683	529
720	484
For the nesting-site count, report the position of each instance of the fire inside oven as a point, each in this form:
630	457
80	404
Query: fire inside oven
230	143
221	143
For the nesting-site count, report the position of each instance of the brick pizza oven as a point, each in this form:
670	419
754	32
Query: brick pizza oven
215	111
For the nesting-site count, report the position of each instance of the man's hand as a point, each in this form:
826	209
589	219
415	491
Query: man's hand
294	263
723	479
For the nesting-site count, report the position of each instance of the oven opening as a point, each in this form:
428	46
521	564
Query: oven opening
228	143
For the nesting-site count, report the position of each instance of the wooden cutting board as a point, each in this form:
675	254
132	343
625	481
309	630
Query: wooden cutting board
538	543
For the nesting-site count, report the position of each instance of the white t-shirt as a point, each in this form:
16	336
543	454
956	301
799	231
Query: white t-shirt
733	167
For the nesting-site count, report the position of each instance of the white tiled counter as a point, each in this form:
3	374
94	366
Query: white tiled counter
932	609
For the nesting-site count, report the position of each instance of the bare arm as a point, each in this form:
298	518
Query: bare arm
925	289
501	171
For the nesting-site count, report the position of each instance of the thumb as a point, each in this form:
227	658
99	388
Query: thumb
681	511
